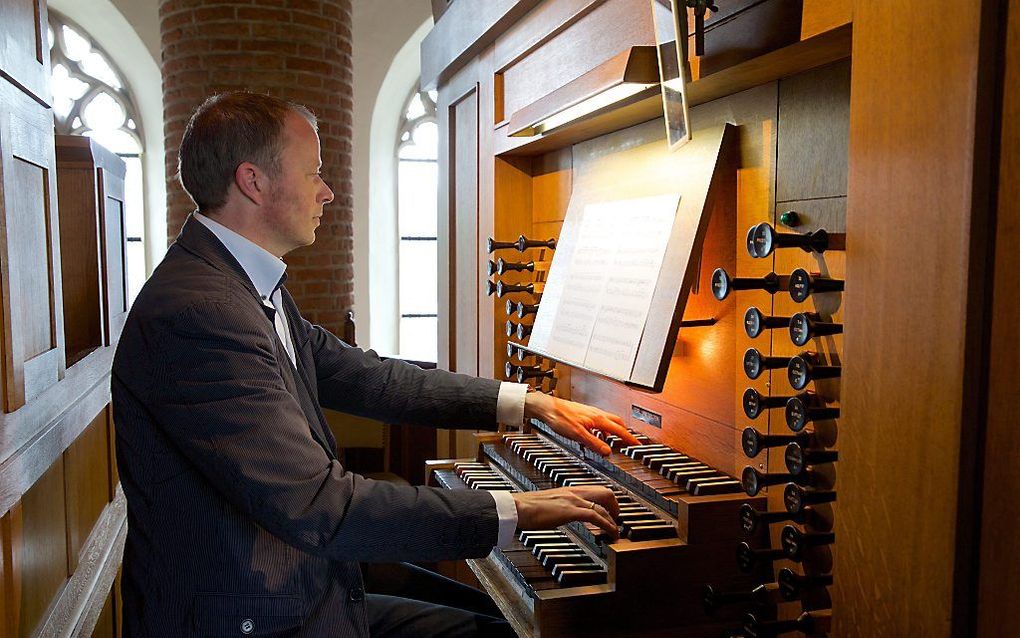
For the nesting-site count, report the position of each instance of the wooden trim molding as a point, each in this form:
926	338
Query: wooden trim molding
76	610
35	436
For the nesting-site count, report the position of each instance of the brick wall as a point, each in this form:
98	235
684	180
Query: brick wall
299	50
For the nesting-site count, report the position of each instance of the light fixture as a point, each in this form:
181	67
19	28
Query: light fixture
614	81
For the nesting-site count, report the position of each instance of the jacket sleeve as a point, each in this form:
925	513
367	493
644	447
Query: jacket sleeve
218	394
352	380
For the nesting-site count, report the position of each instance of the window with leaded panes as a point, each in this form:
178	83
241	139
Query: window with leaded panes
417	176
91	98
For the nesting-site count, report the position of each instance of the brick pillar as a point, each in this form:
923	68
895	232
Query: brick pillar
299	50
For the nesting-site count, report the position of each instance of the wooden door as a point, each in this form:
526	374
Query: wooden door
24	47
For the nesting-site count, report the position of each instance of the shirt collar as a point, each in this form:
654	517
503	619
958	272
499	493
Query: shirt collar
262	267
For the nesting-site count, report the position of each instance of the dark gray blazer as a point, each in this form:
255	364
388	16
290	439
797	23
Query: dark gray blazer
241	521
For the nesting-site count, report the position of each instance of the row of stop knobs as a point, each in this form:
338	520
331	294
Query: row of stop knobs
516	366
804	454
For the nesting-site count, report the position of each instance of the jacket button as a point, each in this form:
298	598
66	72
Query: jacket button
357	594
247	626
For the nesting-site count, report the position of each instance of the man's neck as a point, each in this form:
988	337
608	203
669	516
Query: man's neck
239	223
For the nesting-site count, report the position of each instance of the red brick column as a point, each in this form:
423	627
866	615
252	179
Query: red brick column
299	50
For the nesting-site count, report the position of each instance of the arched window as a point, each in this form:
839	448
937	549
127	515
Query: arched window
91	98
417	175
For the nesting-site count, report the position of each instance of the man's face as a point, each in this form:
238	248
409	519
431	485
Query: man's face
297	192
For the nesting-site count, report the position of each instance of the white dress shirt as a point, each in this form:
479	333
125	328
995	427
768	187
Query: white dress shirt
265	270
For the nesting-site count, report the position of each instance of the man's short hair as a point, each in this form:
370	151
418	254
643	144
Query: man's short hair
228	129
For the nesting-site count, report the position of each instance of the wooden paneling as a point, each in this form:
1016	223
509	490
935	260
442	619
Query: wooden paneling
86	484
467	27
607	30
24	51
913	340
80	264
999	584
40	558
814	122
464	230
30	267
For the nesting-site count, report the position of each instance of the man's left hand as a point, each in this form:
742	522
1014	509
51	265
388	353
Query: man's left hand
576	421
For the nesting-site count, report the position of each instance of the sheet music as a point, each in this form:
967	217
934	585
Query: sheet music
599	300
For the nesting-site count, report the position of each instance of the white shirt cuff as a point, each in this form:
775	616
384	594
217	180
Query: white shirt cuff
510	403
506	510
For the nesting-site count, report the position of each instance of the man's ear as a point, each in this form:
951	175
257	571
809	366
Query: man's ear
252	182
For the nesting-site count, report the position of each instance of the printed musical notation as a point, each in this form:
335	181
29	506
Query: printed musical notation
596	301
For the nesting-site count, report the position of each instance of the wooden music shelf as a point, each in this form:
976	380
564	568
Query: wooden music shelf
813	52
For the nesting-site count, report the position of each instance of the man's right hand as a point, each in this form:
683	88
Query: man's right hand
546	509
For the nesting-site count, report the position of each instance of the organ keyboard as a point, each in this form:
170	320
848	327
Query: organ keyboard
676	534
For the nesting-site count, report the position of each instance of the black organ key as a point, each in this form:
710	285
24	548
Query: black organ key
792	584
757	628
684	476
723	284
753	480
754	403
753	441
638	452
756	322
713	598
580	578
804	368
795	541
492	245
523	243
799	457
528	537
580	567
803	284
755	363
748	557
502	288
568	557
763	239
797	498
655	461
805	408
805	326
724	486
651	531
751	519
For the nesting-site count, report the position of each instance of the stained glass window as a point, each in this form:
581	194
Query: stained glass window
417	176
90	97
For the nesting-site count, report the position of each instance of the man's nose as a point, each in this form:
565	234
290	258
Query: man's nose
327	196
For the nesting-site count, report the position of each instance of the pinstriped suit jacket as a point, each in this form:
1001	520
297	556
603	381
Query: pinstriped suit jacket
241	520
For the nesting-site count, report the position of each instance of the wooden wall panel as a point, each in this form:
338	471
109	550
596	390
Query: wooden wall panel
24	51
41	555
86	484
30	269
607	29
999	584
915	220
80	264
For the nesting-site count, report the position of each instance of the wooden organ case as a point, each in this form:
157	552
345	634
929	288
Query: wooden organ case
764	403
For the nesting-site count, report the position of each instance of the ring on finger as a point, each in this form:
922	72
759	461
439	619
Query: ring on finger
592	506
